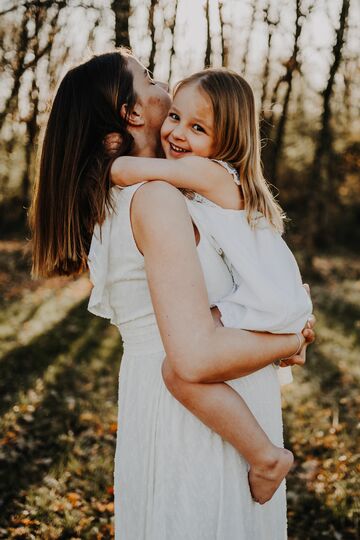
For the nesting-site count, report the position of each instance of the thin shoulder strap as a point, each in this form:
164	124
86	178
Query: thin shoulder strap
230	169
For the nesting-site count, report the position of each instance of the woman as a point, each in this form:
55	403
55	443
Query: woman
174	477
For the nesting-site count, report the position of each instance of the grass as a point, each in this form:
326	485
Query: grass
58	386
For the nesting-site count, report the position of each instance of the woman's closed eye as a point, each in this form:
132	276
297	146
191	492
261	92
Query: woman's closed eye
149	77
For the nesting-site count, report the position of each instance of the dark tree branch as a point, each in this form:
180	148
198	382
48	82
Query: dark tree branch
171	25
266	73
151	64
291	66
224	43
207	59
121	9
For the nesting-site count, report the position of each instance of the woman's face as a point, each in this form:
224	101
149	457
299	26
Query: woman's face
189	126
151	95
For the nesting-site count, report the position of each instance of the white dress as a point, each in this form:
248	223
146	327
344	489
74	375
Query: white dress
175	479
268	293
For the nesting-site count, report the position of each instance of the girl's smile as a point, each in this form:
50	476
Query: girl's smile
188	128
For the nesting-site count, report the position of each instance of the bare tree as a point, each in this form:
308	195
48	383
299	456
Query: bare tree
225	53
121	9
28	34
17	66
245	56
271	25
207	59
171	24
292	65
31	121
321	171
274	134
151	23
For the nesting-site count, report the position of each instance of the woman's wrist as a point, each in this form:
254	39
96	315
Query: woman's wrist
300	340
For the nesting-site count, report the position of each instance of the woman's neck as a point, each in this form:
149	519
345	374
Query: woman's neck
145	146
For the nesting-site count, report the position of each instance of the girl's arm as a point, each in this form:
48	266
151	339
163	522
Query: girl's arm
197	350
194	173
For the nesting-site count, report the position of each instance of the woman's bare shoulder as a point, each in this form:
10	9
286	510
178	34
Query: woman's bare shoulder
158	212
156	196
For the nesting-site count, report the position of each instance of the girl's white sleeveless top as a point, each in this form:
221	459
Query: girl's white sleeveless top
268	294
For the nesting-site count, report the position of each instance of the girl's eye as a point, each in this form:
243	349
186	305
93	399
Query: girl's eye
196	127
174	116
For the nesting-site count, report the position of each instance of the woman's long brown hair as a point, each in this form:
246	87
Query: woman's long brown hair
72	188
237	138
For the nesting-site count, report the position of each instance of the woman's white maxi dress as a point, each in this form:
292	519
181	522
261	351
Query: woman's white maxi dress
175	479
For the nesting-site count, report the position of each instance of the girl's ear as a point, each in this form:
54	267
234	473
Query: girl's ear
135	117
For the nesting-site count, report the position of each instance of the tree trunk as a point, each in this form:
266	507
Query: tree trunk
207	60
273	152
291	67
321	185
19	68
248	38
151	63
171	26
121	9
266	72
224	42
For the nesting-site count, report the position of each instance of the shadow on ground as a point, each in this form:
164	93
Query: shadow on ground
66	361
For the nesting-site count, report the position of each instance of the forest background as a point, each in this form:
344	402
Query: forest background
59	365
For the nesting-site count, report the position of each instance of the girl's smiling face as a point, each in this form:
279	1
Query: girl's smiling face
188	129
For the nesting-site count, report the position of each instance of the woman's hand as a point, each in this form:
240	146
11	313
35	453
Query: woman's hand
308	334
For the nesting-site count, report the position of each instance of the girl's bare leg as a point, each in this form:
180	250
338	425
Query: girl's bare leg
223	410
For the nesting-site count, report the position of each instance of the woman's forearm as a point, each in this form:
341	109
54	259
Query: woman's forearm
229	353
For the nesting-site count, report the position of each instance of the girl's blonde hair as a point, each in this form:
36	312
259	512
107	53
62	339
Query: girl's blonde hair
237	139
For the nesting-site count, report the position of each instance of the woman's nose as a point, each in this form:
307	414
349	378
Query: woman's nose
163	85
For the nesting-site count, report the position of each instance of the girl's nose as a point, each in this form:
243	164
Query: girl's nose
178	132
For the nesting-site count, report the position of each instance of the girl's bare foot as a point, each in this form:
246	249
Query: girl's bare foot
264	480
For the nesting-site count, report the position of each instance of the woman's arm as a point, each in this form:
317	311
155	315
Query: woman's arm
197	350
195	173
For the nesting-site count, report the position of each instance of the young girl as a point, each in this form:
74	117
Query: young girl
211	143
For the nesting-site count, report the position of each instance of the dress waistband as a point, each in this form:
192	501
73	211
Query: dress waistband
141	340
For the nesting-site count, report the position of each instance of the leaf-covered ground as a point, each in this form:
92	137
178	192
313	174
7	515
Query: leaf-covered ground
58	386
